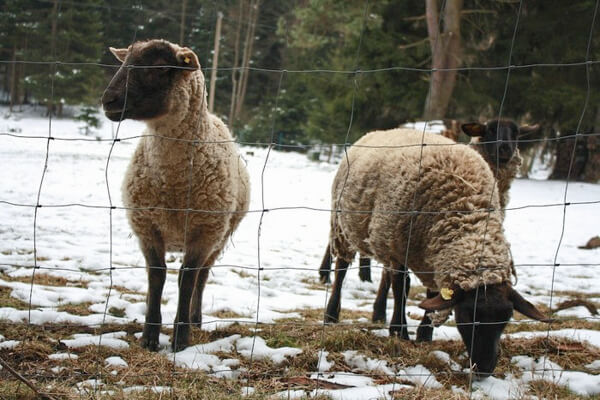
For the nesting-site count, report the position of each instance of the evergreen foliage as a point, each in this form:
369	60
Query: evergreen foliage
296	93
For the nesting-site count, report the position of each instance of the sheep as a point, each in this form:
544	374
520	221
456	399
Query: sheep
186	187
453	240
496	141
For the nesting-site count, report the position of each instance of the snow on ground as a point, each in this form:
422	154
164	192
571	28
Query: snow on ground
80	238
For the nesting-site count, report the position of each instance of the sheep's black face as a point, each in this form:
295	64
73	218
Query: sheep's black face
480	319
141	87
499	138
481	315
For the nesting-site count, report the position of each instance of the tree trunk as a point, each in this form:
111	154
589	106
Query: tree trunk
182	23
445	55
591	171
248	45
13	80
234	71
50	104
215	63
570	163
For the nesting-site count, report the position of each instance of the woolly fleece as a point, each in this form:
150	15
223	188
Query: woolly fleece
374	190
187	160
504	174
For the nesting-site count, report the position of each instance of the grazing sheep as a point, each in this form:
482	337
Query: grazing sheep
496	141
453	240
186	188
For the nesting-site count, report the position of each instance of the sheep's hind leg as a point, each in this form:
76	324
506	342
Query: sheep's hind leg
400	287
332	313
364	272
187	281
325	268
425	329
380	304
157	271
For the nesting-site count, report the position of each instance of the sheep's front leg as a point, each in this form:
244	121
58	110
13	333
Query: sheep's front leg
157	271
425	329
333	306
199	289
380	304
400	288
325	268
187	281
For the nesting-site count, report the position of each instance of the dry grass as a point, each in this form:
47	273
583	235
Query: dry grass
45	280
145	368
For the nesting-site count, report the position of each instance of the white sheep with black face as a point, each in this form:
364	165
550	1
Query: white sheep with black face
186	187
496	141
433	209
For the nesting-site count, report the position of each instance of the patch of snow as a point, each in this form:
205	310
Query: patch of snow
108	340
498	389
322	363
153	389
544	369
362	363
9	344
445	357
115	361
421	376
594	365
261	351
63	356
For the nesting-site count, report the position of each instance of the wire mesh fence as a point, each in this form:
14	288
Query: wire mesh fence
46	226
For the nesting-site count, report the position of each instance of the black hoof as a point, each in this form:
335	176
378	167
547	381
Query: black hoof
181	338
378	317
364	274
424	334
149	339
150	344
400	332
330	319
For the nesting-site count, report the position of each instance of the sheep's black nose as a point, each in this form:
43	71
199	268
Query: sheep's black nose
109	98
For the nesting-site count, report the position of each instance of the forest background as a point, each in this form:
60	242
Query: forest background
322	72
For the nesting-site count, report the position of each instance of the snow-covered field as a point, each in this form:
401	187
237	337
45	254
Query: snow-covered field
79	237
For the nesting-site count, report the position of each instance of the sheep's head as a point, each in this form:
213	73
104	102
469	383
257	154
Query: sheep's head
481	315
499	138
141	88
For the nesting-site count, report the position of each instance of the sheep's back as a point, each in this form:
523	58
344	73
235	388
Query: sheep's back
377	188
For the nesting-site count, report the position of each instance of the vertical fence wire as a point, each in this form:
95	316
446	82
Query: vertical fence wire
356	73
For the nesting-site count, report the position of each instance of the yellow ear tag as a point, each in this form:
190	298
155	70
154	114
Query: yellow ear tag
446	293
186	60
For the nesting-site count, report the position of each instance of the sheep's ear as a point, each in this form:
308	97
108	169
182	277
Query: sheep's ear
120	54
528	129
525	307
447	298
473	129
187	58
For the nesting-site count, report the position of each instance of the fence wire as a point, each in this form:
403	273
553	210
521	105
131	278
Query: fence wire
252	377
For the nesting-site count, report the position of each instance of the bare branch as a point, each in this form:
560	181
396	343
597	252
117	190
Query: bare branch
25	380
